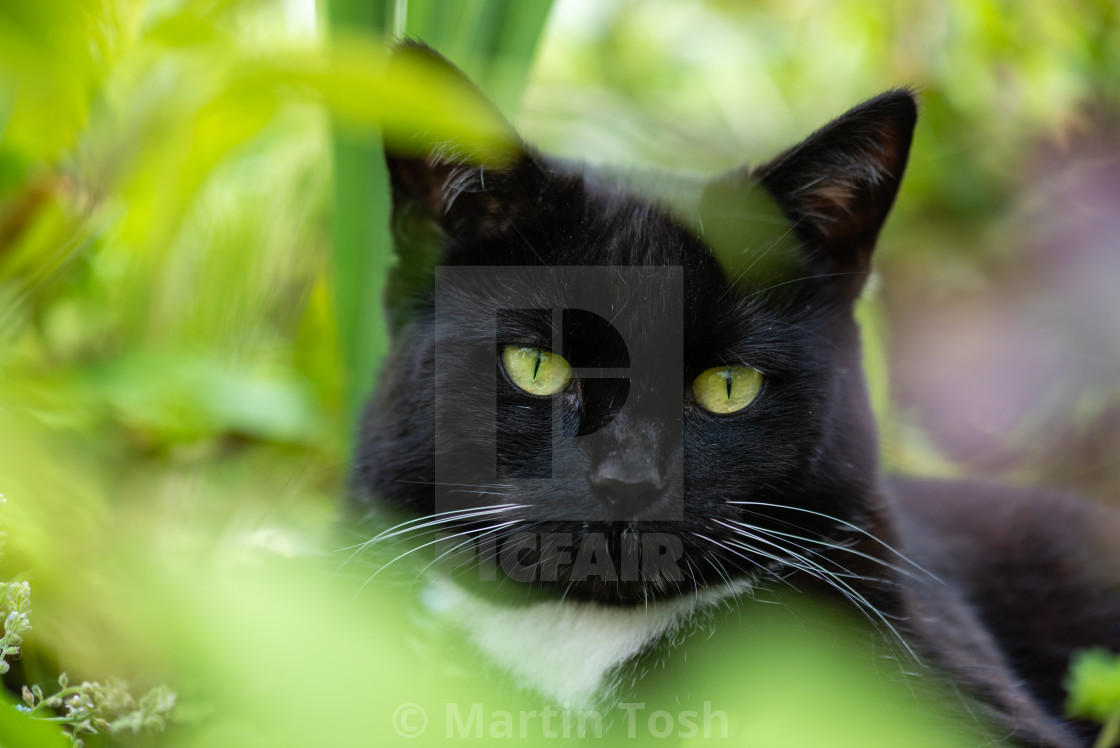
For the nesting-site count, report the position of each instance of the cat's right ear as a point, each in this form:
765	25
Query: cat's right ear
456	186
815	210
837	186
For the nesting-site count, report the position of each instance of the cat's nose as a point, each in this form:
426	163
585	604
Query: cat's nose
626	487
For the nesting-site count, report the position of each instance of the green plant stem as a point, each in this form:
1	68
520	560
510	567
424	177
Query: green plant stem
1110	734
361	254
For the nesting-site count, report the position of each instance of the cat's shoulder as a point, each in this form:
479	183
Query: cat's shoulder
1000	521
979	533
1017	580
1025	576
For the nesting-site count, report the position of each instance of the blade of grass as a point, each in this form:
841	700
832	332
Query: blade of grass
454	29
361	251
515	50
493	41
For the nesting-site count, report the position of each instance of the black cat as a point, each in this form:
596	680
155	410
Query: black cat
637	399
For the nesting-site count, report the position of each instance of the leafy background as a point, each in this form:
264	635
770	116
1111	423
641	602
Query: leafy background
192	245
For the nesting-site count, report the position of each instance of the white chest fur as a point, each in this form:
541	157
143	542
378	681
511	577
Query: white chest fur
568	651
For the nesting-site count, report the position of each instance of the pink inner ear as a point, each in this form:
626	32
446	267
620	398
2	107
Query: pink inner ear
850	198
828	199
838	184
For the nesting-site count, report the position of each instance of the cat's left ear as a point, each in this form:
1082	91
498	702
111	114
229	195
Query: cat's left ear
463	186
837	186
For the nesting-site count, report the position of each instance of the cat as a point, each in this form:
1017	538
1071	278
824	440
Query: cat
629	401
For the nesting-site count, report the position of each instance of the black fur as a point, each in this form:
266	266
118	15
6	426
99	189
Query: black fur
771	261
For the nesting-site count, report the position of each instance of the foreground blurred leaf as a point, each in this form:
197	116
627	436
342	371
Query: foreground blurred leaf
1094	692
180	397
18	730
54	56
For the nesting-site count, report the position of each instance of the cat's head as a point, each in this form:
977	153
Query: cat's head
623	390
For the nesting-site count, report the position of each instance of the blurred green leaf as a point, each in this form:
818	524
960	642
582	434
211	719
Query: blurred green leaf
1093	684
18	730
183	397
179	354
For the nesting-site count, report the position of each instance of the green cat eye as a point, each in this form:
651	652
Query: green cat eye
727	389
535	370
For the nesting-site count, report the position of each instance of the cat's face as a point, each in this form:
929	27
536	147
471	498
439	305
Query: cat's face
623	397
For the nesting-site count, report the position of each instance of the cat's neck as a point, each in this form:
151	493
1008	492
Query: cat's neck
571	651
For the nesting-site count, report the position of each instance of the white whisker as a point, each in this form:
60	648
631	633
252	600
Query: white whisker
409	552
842	523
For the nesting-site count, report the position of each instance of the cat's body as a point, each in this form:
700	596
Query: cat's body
1025	577
774	480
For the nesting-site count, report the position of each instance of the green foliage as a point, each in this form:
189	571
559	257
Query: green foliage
86	709
17	620
192	252
1094	692
171	386
93	709
15	607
